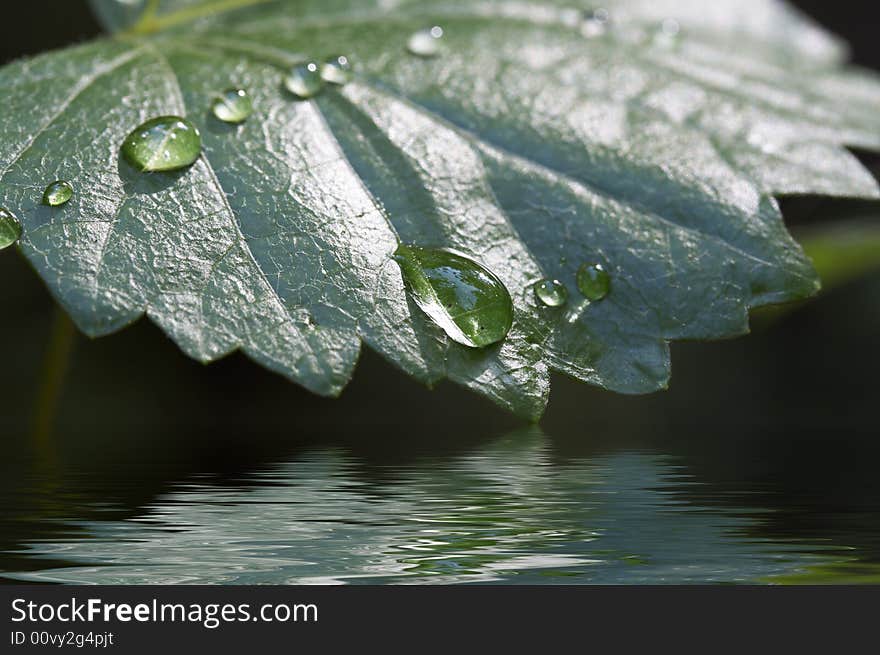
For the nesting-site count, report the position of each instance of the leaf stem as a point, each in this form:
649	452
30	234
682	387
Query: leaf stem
55	366
151	21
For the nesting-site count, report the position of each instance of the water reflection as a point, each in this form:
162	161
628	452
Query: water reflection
758	465
505	512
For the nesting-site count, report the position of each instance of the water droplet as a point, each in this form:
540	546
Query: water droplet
670	26
166	143
593	281
336	69
595	22
233	106
551	292
10	228
426	43
304	80
57	193
667	35
465	299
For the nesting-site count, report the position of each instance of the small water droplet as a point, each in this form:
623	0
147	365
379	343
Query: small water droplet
593	281
595	22
10	228
57	193
304	80
233	106
336	69
166	143
670	26
667	35
464	298
426	43
551	292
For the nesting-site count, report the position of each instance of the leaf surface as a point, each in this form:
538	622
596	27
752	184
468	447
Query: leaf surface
535	142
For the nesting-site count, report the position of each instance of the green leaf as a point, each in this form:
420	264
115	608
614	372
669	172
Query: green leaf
841	252
533	143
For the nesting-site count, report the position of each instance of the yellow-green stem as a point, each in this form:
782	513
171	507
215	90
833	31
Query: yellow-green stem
56	363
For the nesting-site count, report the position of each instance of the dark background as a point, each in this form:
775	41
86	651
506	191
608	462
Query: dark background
793	406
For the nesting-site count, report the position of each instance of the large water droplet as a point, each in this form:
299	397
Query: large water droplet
10	228
233	106
465	299
336	69
304	80
551	292
426	43
593	281
166	143
57	193
595	22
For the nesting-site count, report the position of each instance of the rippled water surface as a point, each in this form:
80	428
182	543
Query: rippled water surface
510	510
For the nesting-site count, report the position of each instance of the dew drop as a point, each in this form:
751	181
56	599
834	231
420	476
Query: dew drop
233	106
668	33
336	69
426	43
595	22
670	26
593	281
304	80
166	143
551	292
57	193
464	298
10	228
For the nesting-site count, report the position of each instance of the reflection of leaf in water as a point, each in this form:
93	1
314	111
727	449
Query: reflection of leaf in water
502	513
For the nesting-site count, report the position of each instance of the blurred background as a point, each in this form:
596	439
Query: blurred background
759	464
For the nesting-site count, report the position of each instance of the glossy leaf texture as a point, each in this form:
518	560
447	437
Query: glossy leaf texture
533	143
